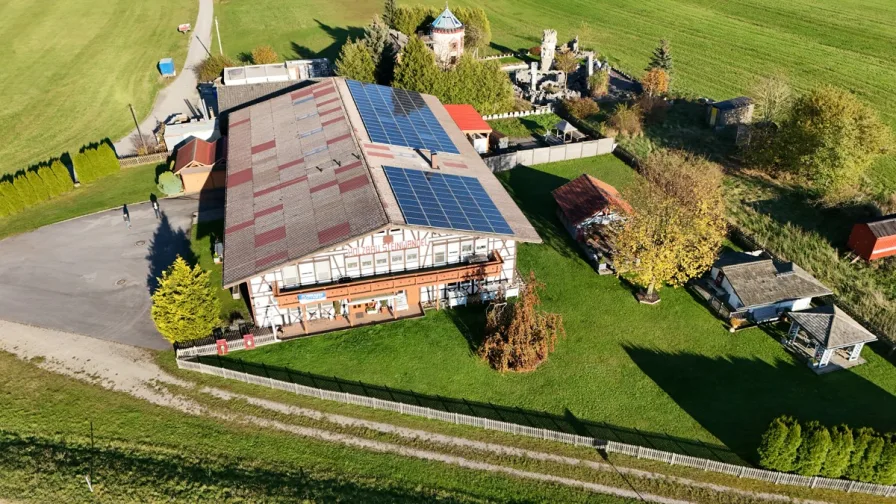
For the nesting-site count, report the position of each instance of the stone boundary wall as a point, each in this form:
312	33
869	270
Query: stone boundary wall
550	154
509	115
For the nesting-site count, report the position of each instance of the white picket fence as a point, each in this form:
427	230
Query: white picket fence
540	433
507	115
212	348
496	56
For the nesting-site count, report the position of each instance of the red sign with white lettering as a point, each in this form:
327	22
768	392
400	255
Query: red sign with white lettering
249	341
222	346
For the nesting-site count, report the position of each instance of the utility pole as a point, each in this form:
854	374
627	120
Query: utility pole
218	32
139	133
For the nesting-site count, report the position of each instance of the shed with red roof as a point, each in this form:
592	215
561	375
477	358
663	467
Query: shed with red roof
199	165
587	200
471	124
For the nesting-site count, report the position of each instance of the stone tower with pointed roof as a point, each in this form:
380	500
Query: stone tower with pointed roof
446	38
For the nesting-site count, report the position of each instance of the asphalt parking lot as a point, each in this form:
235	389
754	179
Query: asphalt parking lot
93	275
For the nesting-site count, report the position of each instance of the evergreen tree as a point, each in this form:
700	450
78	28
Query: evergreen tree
841	451
10	194
376	37
83	167
885	472
389	13
662	57
355	62
868	448
23	186
63	179
773	442
40	187
185	306
416	69
813	449
6	207
50	182
109	160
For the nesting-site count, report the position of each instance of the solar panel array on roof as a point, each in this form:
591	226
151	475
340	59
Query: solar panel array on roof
399	117
445	201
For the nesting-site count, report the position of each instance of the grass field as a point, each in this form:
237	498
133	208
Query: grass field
127	186
669	369
721	48
73	67
202	239
148	453
524	127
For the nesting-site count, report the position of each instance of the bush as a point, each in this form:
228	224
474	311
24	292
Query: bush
779	445
868	448
212	67
581	108
625	121
23	187
813	450
535	51
841	451
599	84
11	196
41	191
170	184
264	55
885	472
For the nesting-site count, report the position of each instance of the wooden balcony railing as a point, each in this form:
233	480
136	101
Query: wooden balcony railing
379	284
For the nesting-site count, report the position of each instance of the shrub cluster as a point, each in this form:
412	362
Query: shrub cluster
36	184
815	450
94	162
581	108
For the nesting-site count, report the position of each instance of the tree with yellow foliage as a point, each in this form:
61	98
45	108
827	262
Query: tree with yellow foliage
677	222
655	82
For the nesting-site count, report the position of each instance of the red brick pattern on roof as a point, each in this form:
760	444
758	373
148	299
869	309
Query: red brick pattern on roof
454	165
376	146
334	233
283	185
263	146
585	197
381	154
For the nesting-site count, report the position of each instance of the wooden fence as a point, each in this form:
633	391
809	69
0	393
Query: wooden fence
132	161
739	471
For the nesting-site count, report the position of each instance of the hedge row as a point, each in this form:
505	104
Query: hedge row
815	450
29	187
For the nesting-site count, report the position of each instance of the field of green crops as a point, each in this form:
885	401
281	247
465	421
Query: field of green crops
720	48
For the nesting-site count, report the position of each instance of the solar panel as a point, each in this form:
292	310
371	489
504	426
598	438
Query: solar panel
445	201
399	117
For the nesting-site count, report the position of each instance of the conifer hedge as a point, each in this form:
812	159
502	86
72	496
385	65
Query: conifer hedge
48	180
816	450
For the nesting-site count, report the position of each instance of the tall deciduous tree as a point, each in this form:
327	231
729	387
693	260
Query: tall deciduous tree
184	306
814	449
772	97
356	62
518	336
677	224
841	451
566	61
416	69
662	57
655	82
477	29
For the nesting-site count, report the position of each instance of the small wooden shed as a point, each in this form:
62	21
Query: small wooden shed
199	165
875	239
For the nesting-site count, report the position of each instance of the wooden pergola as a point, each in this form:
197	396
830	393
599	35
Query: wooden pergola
833	336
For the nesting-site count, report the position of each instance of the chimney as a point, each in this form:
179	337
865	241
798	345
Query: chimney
434	160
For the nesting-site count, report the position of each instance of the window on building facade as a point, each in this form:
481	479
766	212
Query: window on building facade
412	256
397	260
351	263
438	257
322	271
290	275
367	262
382	260
466	248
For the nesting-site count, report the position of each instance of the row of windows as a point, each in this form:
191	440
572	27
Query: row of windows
363	265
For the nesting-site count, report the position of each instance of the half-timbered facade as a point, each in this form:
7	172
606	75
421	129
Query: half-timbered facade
337	217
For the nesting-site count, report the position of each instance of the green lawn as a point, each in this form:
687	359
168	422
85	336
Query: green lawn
525	127
130	185
72	68
671	368
202	241
721	48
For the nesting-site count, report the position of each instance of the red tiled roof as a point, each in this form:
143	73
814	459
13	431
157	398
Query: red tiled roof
196	150
585	197
467	119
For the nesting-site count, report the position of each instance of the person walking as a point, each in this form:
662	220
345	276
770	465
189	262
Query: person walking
126	216
155	208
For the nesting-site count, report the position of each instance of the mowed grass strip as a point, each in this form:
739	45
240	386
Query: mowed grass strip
671	369
72	68
130	185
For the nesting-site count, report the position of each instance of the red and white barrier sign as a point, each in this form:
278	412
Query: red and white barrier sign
221	344
249	341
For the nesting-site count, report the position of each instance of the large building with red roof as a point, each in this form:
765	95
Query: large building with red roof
351	203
